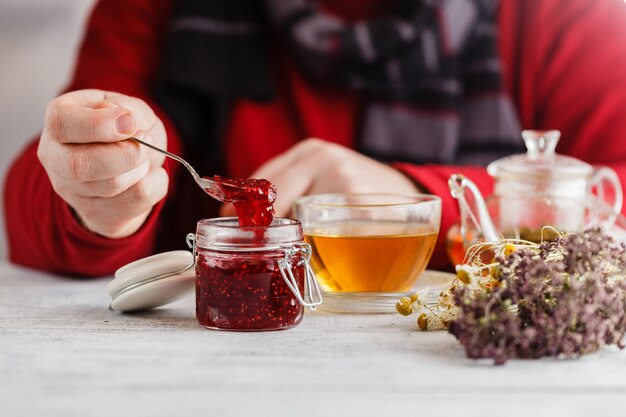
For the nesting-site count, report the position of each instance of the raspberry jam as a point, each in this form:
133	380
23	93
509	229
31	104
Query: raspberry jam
253	199
242	275
245	292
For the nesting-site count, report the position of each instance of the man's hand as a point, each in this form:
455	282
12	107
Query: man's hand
111	183
315	166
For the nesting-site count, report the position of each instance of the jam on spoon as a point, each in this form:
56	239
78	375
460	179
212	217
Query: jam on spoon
253	199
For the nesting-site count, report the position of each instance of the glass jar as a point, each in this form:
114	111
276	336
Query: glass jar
252	278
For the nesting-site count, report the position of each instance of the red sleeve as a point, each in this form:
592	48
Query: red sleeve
579	72
565	64
121	52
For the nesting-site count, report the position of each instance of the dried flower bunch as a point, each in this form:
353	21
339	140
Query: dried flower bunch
562	298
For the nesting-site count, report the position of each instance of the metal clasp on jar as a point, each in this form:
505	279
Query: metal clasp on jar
311	286
191	242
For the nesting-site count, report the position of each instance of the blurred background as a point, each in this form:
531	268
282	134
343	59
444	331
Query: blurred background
38	41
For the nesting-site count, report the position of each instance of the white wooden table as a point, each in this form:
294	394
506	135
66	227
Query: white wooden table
63	353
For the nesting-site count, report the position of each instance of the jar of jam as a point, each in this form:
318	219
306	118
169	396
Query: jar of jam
252	278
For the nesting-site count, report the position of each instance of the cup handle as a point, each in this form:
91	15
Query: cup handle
597	181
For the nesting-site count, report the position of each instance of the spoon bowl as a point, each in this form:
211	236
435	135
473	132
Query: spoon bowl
216	189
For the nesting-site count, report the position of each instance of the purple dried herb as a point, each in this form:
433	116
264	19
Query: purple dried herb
563	298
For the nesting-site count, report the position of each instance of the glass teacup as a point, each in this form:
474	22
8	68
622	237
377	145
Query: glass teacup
369	242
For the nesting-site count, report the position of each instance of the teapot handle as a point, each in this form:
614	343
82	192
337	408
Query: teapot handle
597	181
458	184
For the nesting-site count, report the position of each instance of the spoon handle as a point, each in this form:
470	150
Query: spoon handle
171	155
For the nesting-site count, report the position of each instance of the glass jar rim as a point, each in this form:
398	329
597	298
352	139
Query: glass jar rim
224	233
233	223
402	200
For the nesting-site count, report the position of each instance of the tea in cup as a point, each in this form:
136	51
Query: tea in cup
369	242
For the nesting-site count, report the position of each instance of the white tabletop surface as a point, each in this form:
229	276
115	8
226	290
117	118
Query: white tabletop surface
63	353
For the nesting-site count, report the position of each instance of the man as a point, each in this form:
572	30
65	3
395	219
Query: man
402	94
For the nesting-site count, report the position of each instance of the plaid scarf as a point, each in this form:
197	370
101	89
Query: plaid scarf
430	73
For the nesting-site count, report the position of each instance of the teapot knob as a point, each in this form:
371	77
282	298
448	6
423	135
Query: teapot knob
541	143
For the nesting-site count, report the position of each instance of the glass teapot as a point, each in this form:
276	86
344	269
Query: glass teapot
533	190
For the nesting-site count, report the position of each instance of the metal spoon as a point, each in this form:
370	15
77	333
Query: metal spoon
213	188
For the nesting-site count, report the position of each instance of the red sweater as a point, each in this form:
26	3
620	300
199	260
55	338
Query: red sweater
565	68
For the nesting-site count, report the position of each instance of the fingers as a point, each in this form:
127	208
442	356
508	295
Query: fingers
228	210
288	159
141	111
111	182
319	167
293	173
292	183
89	116
141	196
108	187
105	215
70	123
95	162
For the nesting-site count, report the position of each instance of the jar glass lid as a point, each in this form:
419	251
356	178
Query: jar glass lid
152	282
540	161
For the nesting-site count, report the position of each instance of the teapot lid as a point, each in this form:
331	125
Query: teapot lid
540	161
